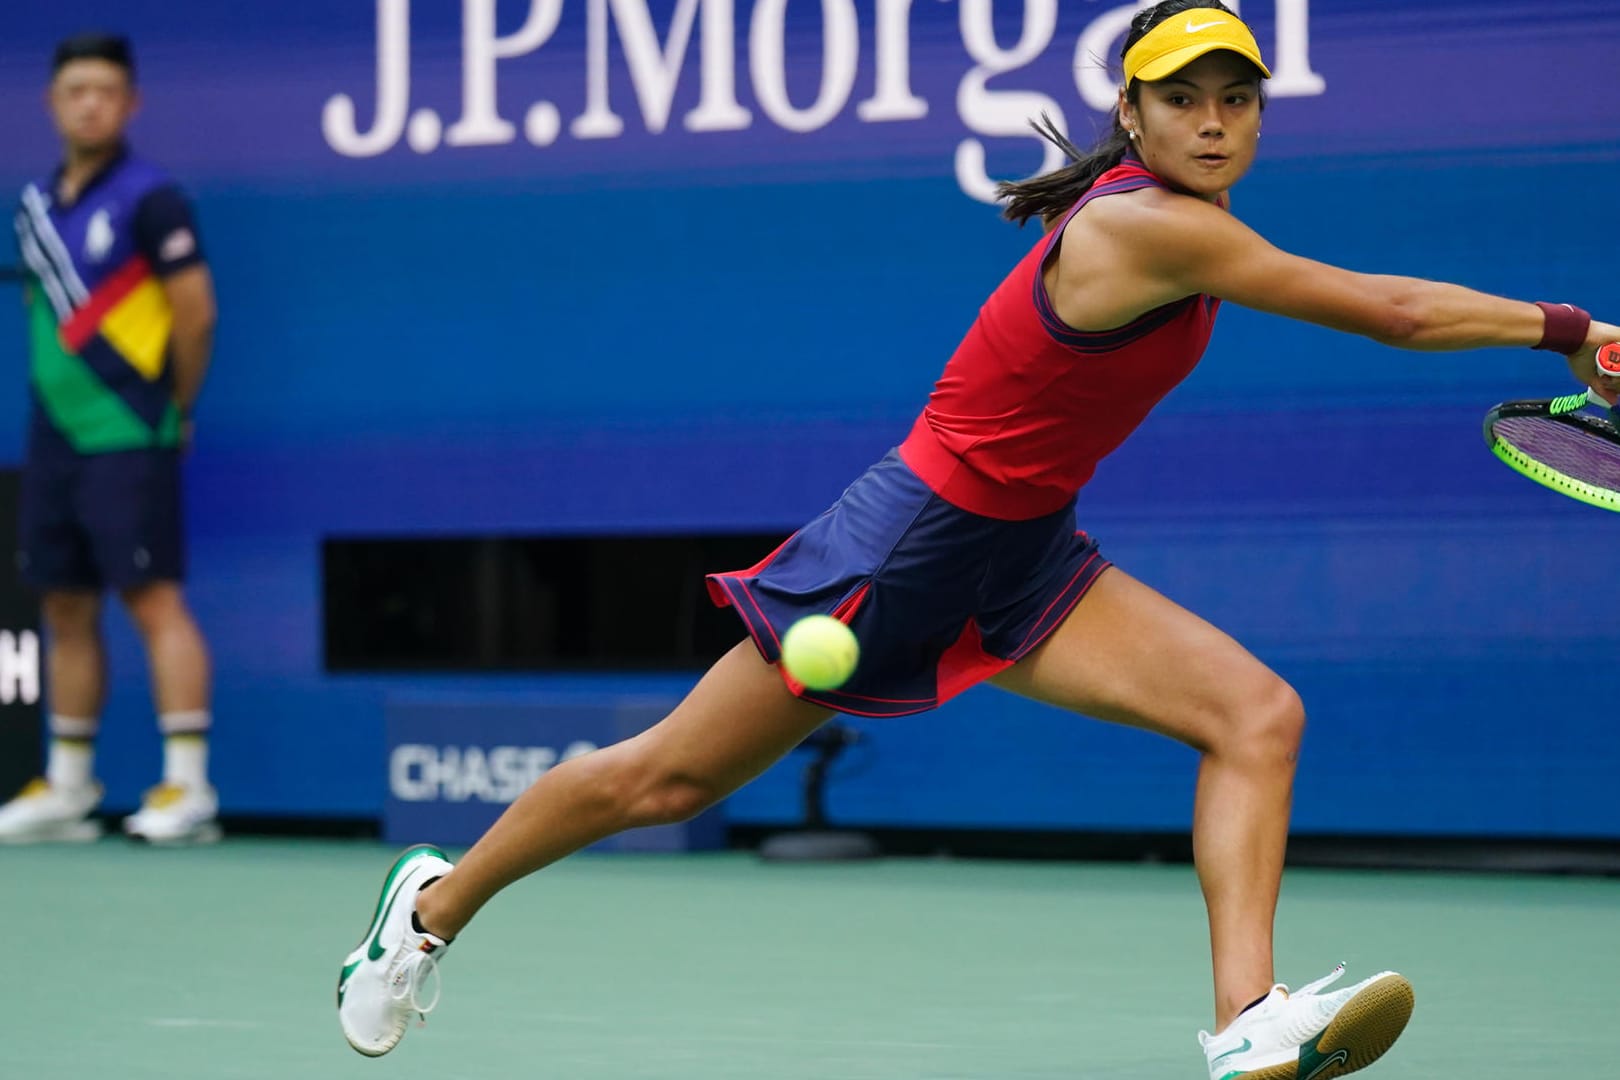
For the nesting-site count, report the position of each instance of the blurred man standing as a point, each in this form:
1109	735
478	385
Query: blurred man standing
121	317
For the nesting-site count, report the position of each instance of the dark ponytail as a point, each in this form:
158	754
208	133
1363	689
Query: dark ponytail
1049	196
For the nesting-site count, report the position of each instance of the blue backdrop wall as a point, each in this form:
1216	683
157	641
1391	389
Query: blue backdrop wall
584	266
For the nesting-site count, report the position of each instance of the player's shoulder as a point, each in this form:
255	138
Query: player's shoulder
1151	215
1153	201
1154	232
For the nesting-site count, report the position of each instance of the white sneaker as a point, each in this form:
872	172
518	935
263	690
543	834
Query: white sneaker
382	980
1307	1035
176	814
44	811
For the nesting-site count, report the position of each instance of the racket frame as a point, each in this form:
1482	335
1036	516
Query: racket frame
1565	410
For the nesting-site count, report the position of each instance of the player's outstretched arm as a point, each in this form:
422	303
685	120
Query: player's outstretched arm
1203	249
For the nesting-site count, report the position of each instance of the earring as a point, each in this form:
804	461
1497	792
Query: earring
1133	133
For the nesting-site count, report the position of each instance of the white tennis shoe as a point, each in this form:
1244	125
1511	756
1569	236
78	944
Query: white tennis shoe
1309	1035
176	814
385	979
43	812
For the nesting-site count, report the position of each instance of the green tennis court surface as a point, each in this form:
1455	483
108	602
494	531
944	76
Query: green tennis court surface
219	963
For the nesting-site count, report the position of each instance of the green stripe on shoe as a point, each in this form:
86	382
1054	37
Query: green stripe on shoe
1312	1061
410	855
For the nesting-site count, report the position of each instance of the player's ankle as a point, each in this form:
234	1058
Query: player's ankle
1231	1012
428	918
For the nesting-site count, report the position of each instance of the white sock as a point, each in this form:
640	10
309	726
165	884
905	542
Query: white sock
185	747
69	762
185	760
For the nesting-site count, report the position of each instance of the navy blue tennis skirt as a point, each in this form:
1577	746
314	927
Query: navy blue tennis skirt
939	598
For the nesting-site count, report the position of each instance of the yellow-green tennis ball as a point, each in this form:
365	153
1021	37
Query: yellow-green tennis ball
820	652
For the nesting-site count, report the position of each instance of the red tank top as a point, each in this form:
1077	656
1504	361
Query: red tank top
1028	405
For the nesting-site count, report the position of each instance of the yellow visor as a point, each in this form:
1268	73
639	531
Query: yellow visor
1183	38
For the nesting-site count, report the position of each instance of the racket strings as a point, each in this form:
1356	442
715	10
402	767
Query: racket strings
1578	454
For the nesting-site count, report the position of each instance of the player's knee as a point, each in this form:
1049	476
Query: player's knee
1268	725
638	789
673	798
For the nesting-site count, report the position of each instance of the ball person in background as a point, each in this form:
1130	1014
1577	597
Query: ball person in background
955	559
121	318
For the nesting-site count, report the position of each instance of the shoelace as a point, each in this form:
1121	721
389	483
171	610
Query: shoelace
1326	980
1311	1011
414	973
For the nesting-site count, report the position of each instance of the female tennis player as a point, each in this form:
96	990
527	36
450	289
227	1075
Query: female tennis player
955	558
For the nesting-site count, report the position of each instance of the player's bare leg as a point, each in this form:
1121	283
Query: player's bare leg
737	721
1128	655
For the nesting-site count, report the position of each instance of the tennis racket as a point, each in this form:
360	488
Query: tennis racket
1570	444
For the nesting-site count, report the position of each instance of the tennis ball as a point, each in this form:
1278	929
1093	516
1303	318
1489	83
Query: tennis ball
820	652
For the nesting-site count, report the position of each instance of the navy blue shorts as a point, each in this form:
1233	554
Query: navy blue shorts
100	521
939	598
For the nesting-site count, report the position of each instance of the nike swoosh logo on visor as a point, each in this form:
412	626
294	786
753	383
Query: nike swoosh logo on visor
1193	29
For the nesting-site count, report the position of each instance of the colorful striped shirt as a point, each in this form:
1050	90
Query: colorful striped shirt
99	320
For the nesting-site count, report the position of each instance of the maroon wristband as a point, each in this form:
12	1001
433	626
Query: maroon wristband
1565	328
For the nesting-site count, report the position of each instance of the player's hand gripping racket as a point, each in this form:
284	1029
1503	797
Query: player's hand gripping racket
1561	443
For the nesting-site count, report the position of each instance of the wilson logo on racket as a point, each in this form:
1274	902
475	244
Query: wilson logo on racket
1558	406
